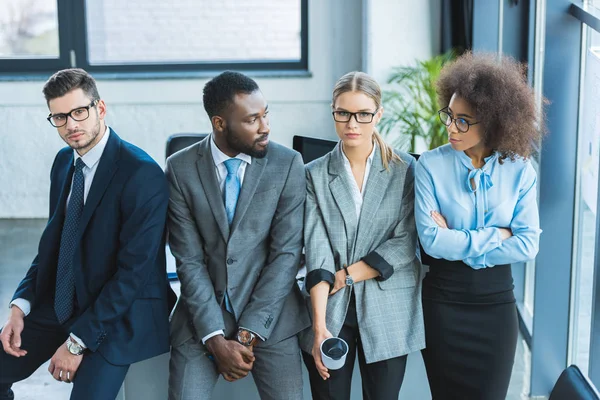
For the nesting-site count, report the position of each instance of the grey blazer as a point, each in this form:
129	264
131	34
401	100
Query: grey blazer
255	260
390	317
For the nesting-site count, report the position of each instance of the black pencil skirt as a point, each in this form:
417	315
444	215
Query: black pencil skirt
471	330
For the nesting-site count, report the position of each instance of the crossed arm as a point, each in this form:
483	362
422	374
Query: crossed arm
483	247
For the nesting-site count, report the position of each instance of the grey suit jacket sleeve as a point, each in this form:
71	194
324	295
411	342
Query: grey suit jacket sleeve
400	250
320	263
187	247
278	276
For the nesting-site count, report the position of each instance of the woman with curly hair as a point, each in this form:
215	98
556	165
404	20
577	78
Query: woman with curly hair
476	214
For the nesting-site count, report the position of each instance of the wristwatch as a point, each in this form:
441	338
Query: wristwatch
349	279
74	348
246	338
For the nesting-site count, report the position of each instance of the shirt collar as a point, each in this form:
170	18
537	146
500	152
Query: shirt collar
369	159
480	176
92	157
466	160
219	157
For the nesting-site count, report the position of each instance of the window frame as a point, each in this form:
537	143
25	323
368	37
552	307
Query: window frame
73	52
591	18
22	66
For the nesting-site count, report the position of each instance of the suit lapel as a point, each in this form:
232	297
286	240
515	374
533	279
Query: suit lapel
107	166
210	184
55	220
65	187
252	177
373	195
342	196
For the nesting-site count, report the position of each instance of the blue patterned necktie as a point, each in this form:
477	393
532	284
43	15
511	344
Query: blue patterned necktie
65	280
231	193
232	187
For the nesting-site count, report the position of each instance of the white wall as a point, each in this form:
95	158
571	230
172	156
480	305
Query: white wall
398	32
146	112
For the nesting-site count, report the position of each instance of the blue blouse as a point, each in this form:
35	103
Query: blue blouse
505	196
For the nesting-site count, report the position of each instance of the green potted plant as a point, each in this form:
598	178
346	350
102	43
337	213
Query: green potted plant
411	106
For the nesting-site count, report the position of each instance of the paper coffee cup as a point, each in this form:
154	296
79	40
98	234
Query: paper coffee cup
333	352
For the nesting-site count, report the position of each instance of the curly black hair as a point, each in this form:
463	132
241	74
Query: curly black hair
219	92
504	103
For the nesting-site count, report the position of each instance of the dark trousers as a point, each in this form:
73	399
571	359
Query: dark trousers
42	335
380	380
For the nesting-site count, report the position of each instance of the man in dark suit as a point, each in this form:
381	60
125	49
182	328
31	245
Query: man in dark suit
95	297
235	227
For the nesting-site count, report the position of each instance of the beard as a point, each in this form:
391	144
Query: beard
253	150
89	137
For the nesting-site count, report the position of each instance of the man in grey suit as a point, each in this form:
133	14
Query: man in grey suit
235	228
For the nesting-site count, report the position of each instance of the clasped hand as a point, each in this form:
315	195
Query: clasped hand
234	360
64	365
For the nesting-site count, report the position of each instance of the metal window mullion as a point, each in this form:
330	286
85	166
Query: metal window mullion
586	16
65	32
78	51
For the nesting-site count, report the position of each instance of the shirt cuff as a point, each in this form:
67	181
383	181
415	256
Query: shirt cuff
250	330
476	262
23	304
317	276
379	264
215	333
498	237
78	340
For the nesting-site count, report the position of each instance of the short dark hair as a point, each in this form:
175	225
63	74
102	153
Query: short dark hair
219	92
66	80
503	100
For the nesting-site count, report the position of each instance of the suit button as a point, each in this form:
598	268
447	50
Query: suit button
230	261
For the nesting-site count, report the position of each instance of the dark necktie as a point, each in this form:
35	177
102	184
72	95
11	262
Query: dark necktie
65	278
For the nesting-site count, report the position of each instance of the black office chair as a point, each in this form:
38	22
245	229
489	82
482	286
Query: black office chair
179	141
312	148
572	384
175	143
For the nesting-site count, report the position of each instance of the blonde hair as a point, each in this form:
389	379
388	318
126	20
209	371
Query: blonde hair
357	81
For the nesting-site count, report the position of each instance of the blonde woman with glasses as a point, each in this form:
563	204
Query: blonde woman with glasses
360	240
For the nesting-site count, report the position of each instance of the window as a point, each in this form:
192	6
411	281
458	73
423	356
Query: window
153	36
28	29
587	203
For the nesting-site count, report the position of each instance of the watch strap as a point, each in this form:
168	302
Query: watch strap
74	348
253	335
349	280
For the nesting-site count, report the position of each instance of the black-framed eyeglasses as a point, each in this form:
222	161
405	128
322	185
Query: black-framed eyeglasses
362	117
461	124
77	114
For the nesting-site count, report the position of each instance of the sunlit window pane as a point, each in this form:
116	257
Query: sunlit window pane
28	29
587	197
156	31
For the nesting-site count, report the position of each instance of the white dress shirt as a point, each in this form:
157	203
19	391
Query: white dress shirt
357	194
219	159
91	160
